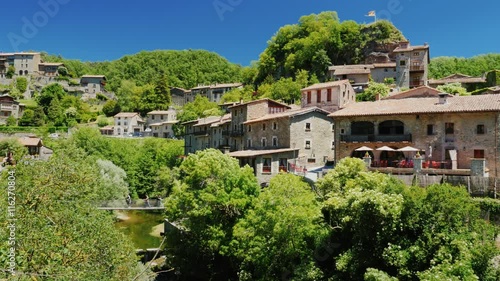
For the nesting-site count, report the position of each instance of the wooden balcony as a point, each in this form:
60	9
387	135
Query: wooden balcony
416	83
376	138
417	68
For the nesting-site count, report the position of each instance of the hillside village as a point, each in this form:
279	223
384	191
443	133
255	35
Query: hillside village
328	125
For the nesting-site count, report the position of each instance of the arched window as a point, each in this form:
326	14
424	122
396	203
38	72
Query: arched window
362	128
20	72
391	127
25	72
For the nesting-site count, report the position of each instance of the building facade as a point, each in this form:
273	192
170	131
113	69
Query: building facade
24	63
161	123
9	107
449	130
412	65
214	92
329	96
128	124
92	85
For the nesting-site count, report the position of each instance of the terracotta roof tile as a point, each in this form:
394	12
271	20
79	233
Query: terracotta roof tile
126	114
289	113
250	153
326	85
479	103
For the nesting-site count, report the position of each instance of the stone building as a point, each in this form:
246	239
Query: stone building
329	96
49	69
357	74
449	130
468	82
92	85
179	96
412	65
161	123
214	92
9	107
24	63
128	124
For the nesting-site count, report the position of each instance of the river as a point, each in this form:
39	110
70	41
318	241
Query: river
139	227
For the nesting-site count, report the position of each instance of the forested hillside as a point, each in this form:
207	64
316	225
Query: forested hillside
475	66
319	41
185	68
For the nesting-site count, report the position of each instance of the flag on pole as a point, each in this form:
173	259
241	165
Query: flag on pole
371	14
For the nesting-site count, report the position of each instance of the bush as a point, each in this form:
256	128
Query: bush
22	84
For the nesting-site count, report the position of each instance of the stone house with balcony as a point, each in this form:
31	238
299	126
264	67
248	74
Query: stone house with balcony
468	82
127	123
161	123
214	92
92	85
9	107
357	74
25	63
450	130
179	96
412	65
49	68
329	96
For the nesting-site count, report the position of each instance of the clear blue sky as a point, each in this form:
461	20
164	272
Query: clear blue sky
93	30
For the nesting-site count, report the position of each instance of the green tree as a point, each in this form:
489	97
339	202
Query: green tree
244	94
63	71
373	91
111	108
11	121
279	235
49	93
27	118
286	90
73	240
11	71
454	89
38	116
22	84
211	193
163	92
55	113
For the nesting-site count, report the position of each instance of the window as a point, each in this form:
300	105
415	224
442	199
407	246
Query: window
478	153
318	96
263	142
264	127
249	143
283	165
275	141
402	62
235	113
152	117
362	128
430	129
161	117
249	128
386	70
416	54
308	97
308	126
480	129
308	144
449	128
311	160
329	95
266	165
391	127
333	145
275	126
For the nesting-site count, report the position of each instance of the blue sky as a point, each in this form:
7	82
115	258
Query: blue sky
93	30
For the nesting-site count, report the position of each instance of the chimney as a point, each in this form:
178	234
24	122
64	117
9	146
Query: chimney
443	98
226	149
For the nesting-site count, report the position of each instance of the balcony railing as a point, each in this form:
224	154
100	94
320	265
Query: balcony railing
416	83
236	133
6	107
200	133
417	68
376	138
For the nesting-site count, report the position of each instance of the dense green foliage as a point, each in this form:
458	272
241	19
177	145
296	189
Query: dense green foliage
59	234
409	233
141	159
185	69
21	84
453	88
211	193
373	91
476	66
319	41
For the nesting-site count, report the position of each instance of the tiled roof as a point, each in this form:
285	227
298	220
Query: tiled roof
286	114
351	69
420	92
457	78
52	63
216	86
455	104
126	114
164	123
160	112
107	128
250	153
93	76
27	141
223	120
326	85
259	101
411	48
384	65
208	120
